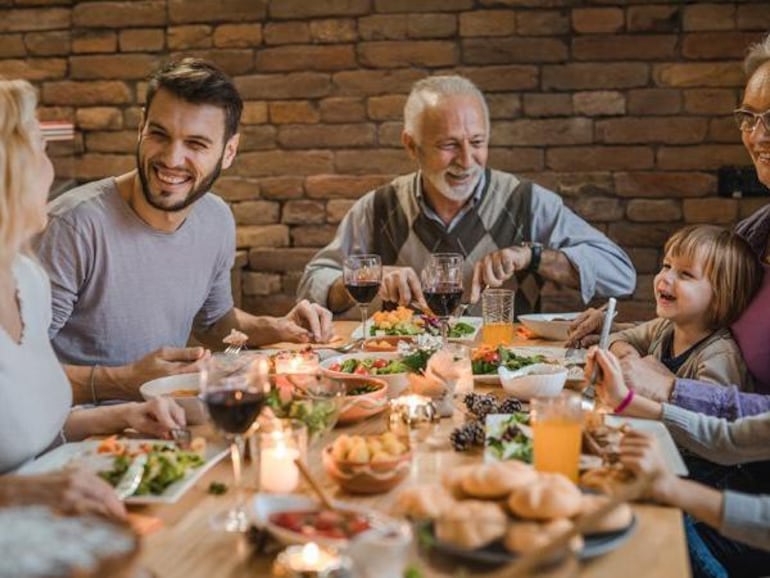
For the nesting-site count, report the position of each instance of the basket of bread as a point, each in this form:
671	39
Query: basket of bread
367	464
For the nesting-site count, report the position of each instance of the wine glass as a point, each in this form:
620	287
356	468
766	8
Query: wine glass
234	390
442	286
362	275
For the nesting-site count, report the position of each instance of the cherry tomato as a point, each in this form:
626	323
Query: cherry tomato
379	363
361	370
335	367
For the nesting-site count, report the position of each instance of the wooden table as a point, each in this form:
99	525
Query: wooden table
187	548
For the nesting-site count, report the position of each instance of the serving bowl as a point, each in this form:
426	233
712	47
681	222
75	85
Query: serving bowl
386	343
375	476
265	506
358	406
184	388
553	326
397	382
536	380
311	398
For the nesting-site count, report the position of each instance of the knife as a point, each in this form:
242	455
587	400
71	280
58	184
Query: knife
609	313
132	478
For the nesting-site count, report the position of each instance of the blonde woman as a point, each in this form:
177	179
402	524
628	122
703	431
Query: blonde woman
35	396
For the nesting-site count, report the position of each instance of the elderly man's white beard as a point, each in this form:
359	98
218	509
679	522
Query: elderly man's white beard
458	193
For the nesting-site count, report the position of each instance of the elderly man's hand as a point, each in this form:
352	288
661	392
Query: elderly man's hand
402	285
641	454
306	322
648	377
497	267
156	417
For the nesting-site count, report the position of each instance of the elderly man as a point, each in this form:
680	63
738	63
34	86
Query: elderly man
138	261
503	225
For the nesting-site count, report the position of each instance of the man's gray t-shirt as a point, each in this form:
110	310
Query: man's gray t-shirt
120	288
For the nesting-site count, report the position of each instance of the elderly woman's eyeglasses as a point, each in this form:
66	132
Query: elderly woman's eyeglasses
747	119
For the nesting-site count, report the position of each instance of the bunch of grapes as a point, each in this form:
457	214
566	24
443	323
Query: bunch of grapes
472	433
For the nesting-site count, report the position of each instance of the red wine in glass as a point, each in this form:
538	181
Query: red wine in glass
443	299
363	291
234	410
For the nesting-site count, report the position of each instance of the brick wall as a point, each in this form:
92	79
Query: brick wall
622	107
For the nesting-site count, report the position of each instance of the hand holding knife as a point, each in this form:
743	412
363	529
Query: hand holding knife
603	343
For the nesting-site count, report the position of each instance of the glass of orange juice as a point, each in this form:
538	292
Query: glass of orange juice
557	424
497	311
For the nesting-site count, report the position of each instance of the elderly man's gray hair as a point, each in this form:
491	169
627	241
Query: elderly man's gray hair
428	91
758	54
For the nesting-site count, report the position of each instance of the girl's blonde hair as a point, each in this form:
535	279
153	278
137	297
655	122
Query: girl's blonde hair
730	265
18	205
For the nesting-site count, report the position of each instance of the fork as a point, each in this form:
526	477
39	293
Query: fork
233	350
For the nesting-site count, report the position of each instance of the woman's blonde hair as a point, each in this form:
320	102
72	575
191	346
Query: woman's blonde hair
18	205
730	265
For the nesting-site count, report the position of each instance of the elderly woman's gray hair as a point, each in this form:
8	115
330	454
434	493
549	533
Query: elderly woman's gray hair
758	54
428	91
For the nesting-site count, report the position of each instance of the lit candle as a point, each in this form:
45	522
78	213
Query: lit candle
303	362
311	561
409	413
277	471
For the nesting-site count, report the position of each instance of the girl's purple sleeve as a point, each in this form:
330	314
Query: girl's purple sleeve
721	401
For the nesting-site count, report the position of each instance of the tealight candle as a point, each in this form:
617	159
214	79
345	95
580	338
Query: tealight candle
409	413
303	362
311	561
279	446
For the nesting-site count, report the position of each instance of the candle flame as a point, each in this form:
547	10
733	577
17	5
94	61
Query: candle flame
310	553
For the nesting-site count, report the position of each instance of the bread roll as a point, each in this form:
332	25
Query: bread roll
498	479
523	537
549	497
452	479
617	519
471	524
425	501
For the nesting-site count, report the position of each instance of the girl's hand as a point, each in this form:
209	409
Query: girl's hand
610	385
641	454
70	491
156	417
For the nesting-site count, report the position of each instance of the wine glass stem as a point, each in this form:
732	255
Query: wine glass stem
444	331
364	307
236	453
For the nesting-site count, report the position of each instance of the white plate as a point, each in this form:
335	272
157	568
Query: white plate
84	453
552	326
671	454
477	322
397	382
264	505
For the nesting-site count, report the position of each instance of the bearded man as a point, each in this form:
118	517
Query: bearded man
140	261
510	231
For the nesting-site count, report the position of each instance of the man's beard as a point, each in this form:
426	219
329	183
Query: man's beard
457	194
195	194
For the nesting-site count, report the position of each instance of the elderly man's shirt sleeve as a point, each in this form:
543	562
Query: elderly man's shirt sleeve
63	252
354	235
720	401
604	268
746	518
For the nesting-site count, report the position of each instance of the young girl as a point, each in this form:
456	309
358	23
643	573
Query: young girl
708	277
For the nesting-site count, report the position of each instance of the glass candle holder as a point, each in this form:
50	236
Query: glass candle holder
280	443
312	561
412	416
290	362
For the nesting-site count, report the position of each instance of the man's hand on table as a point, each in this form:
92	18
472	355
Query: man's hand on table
497	267
648	377
402	285
306	323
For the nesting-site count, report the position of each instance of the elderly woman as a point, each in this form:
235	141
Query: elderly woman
647	376
35	396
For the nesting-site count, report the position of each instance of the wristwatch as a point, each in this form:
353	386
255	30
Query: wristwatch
537	253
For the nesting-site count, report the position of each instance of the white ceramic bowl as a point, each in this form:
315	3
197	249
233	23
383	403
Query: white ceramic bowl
264	505
548	325
397	382
537	380
184	383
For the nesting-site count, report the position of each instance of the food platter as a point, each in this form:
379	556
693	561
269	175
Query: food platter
86	454
473	322
573	362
